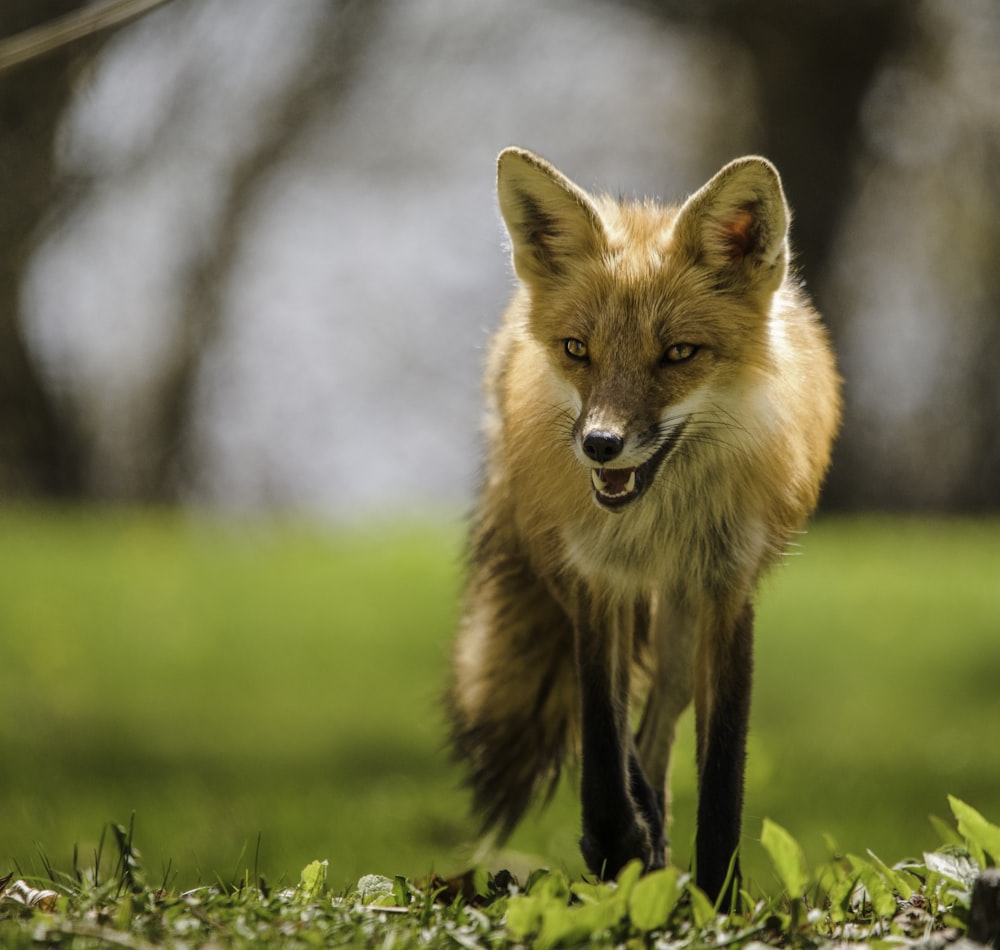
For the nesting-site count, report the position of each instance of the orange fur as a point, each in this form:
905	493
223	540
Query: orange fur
668	342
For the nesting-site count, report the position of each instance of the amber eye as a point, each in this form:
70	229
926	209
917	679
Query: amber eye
679	353
576	349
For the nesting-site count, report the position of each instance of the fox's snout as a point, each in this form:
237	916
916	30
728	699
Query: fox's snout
624	464
601	445
616	478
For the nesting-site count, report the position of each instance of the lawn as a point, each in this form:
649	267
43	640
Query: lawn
260	694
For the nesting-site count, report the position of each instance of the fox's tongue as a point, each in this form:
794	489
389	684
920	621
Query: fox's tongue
614	481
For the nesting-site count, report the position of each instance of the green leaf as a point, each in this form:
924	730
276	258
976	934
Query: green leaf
880	895
372	888
539	874
903	884
401	891
125	913
628	877
313	879
956	865
524	915
702	909
590	892
612	897
542	911
839	890
546	914
977	830
481	881
552	885
572	925
786	856
653	899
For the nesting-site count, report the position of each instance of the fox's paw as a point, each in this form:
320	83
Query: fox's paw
607	854
658	854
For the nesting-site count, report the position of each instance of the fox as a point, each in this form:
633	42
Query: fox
661	404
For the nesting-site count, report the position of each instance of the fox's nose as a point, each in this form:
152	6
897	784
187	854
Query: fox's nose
602	446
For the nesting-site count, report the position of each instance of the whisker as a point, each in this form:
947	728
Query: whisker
709	428
559	417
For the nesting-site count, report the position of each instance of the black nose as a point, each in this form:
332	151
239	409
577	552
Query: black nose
602	446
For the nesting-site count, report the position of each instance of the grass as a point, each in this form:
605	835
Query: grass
260	695
225	682
922	904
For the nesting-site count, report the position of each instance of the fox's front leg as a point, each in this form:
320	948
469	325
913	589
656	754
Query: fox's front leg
621	817
722	713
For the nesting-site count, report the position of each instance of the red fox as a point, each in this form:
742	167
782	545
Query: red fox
662	401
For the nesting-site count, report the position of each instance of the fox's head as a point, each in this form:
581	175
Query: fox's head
651	317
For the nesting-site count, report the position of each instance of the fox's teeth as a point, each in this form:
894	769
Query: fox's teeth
602	486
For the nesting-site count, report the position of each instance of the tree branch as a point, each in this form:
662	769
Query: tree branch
40	40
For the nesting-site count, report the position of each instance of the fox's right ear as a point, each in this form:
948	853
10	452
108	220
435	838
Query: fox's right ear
552	222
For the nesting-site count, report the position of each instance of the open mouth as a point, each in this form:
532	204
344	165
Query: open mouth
617	487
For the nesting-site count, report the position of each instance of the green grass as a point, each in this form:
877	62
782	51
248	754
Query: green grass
261	694
225	682
849	900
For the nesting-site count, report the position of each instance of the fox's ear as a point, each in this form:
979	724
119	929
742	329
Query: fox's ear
737	225
552	222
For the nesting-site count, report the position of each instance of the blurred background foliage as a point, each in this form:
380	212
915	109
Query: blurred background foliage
249	252
249	260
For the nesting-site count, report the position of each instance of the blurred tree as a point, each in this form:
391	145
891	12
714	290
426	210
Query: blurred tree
816	70
814	64
39	451
145	454
848	92
335	45
915	280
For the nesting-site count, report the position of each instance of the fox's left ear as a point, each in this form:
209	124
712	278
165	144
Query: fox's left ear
737	225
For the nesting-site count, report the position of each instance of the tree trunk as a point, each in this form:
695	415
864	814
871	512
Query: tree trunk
38	447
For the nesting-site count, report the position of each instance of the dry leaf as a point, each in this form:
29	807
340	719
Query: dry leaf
27	896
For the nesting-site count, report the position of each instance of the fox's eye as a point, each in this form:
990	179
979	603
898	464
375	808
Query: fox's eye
679	353
576	349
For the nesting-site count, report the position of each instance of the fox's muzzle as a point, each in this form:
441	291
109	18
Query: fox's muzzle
617	486
602	446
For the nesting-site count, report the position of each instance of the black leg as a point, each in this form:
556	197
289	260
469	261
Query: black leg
614	830
650	805
723	712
